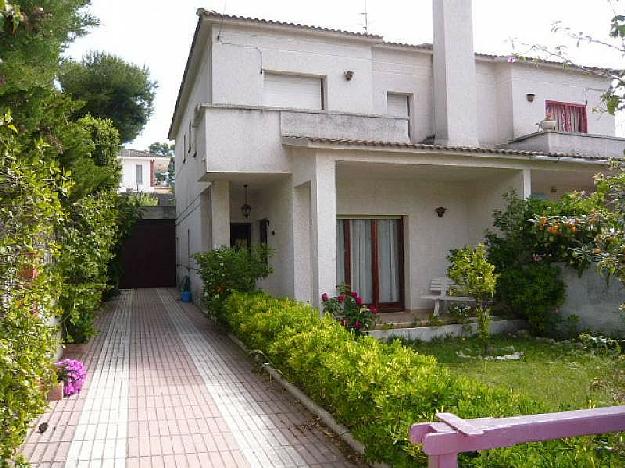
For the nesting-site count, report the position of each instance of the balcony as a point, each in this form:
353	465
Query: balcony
597	146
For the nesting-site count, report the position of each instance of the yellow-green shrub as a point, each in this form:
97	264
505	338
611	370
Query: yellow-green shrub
378	390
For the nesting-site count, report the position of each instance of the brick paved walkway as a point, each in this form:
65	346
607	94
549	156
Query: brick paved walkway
165	389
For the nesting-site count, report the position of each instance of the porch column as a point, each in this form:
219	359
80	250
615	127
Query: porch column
220	214
323	227
527	183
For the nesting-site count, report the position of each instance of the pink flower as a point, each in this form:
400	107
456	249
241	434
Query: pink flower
341	298
359	300
324	297
373	309
357	325
344	322
354	294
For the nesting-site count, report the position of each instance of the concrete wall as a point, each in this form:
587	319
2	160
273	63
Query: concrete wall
595	301
580	143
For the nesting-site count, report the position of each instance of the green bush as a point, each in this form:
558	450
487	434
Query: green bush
226	270
475	277
534	291
29	211
378	390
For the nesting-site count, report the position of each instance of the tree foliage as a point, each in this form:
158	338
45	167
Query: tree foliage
33	34
111	88
162	149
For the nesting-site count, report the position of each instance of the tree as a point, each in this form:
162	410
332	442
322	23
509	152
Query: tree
111	88
163	149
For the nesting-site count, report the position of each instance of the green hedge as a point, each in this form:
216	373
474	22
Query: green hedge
378	390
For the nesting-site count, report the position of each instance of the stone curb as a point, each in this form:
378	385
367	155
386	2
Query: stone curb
315	409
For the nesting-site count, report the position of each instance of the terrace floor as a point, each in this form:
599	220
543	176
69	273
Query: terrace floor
165	388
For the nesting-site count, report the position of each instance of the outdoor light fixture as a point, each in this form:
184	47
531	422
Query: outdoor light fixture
349	74
246	209
530	97
440	211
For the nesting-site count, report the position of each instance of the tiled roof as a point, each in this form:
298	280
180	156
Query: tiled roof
133	153
421	146
247	19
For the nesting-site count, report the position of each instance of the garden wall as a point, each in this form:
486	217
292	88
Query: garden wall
595	301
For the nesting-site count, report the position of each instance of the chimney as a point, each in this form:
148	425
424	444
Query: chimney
455	86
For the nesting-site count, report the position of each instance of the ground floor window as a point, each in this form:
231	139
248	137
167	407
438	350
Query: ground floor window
369	258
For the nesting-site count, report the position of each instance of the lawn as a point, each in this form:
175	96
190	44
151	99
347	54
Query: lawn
562	376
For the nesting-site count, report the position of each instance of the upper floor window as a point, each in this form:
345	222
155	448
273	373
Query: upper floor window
570	117
293	91
398	105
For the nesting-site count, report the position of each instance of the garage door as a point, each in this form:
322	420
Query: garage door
292	91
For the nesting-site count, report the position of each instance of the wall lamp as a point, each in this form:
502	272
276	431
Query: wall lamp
440	211
349	74
530	97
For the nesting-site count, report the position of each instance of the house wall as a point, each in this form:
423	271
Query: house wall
129	175
557	85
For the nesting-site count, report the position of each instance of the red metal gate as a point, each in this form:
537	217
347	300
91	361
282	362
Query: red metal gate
149	255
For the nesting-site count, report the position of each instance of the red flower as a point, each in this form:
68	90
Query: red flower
324	297
341	298
373	309
354	294
357	325
359	300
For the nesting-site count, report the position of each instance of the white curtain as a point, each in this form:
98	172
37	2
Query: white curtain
340	252
388	260
362	281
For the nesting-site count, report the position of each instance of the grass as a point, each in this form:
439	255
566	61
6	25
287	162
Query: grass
560	375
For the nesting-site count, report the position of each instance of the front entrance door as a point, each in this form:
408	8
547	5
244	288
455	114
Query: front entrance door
369	258
241	235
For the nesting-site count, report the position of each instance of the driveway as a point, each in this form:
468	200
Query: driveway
167	389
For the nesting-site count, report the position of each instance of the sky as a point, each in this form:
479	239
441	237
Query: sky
158	34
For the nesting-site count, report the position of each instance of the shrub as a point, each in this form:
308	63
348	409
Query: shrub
475	276
378	390
29	210
226	270
349	310
534	291
523	253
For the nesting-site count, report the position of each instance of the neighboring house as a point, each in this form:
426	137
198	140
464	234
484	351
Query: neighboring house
139	170
365	161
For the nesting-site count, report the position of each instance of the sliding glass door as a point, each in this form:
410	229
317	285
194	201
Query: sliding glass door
370	259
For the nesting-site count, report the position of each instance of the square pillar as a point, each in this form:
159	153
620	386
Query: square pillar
220	214
323	228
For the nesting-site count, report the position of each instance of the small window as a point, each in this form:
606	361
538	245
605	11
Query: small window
570	117
190	133
398	105
184	149
139	174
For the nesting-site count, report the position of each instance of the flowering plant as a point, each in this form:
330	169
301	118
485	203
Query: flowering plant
72	373
349	309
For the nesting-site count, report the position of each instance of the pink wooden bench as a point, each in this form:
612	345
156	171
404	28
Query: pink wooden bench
443	441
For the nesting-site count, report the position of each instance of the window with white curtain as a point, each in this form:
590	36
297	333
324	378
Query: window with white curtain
293	91
398	105
369	258
139	174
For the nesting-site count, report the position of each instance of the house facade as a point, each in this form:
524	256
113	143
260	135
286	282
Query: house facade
365	161
139	170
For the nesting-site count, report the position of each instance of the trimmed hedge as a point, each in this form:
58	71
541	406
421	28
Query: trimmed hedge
378	390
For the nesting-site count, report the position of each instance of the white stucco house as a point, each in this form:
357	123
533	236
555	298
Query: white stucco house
139	169
366	161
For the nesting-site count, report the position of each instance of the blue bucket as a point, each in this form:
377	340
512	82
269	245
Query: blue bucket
185	296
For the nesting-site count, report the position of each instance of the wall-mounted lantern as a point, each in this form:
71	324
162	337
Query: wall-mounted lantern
530	97
246	209
349	74
440	211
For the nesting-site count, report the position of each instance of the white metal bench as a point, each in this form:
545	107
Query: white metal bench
442	286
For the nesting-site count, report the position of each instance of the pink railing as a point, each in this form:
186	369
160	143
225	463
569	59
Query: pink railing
443	441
